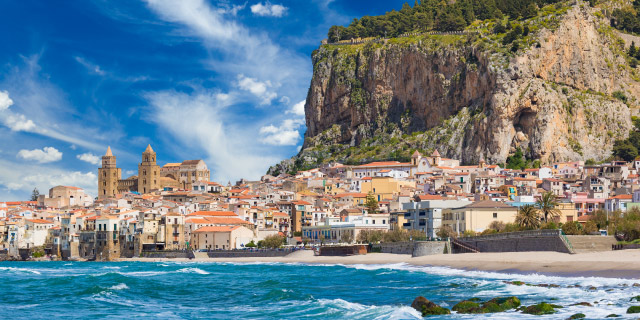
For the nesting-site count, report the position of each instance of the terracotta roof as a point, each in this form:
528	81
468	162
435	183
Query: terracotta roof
212	214
40	221
384	164
217	229
429	197
489	204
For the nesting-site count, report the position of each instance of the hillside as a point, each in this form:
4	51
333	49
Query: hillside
559	86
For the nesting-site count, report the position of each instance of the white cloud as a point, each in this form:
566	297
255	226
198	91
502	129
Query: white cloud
5	101
48	154
130	172
268	10
285	135
207	124
17	180
18	122
42	108
89	157
257	88
231	9
298	108
92	67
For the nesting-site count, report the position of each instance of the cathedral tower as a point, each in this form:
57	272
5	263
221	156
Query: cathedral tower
148	172
108	176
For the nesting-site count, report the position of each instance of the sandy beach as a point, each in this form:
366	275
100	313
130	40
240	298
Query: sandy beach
612	264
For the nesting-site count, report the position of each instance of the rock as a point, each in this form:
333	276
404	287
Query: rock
586	304
491	306
592	288
541	308
466	307
633	309
373	92
613	315
577	316
515	283
427	307
636	284
636	298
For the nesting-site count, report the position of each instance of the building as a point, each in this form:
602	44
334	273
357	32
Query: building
478	216
151	177
221	237
426	215
108	176
65	196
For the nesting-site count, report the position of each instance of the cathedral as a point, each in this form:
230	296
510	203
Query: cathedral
150	178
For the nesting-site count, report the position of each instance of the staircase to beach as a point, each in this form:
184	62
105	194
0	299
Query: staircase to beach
200	255
583	244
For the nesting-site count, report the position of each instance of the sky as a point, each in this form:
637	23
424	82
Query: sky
222	81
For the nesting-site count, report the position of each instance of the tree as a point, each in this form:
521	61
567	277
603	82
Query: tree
371	203
498	226
347	237
35	194
516	161
273	242
590	227
547	205
251	244
528	217
445	232
572	228
625	150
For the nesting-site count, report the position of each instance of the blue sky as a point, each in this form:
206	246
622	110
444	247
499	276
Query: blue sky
223	81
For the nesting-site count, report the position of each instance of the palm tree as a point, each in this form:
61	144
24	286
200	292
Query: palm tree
547	205
528	217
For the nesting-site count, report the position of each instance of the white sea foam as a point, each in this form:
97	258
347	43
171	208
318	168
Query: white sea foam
192	270
111	267
119	286
351	310
23	270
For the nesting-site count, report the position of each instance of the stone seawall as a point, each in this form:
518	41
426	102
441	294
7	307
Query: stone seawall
247	254
167	254
415	248
542	240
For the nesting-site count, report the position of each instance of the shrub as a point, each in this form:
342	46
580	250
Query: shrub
620	96
590	227
572	228
251	244
273	242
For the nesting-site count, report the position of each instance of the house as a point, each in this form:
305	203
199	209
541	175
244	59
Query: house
221	237
478	215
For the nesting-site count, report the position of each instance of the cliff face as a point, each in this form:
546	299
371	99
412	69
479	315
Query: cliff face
463	95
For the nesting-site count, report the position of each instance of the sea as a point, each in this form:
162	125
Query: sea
198	290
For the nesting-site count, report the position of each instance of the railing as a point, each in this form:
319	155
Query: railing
566	241
465	247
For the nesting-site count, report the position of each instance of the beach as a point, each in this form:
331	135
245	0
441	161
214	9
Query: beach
610	264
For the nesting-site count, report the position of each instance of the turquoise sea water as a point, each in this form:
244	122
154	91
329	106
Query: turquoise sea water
90	290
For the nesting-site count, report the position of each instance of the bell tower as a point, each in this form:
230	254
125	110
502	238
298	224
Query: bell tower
148	172
108	176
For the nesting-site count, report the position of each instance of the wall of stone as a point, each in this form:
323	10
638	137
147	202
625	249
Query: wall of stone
247	254
167	254
416	248
541	240
428	248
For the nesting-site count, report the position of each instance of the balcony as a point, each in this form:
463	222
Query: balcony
176	234
406	224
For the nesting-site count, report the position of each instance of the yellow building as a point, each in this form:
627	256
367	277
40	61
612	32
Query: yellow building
148	172
478	216
384	188
108	176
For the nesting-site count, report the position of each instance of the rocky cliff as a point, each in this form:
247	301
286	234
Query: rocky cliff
564	91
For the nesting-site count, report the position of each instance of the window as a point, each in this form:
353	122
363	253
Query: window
495	215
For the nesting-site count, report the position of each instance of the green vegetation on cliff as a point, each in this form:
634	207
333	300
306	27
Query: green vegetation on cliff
434	15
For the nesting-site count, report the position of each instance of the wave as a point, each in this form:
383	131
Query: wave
356	310
20	270
119	286
192	270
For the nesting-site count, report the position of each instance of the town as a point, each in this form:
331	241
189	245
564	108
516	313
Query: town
176	207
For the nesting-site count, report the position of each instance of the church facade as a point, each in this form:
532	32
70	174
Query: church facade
150	176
